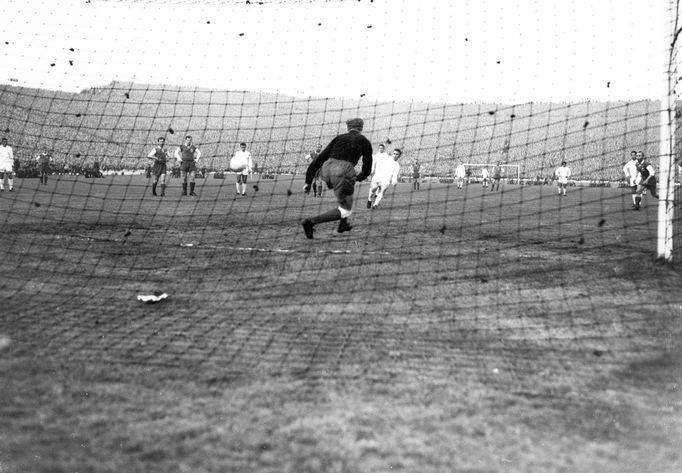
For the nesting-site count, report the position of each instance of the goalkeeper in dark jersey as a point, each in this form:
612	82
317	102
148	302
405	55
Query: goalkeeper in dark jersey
336	164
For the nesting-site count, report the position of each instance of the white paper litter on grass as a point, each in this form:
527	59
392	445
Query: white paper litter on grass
150	298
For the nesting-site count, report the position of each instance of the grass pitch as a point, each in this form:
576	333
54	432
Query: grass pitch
450	330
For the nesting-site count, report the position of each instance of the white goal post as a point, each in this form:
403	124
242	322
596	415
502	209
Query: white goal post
668	127
512	171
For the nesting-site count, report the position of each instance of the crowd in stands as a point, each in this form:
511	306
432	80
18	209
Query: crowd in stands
534	169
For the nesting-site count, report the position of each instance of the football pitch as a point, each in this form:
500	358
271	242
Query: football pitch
452	330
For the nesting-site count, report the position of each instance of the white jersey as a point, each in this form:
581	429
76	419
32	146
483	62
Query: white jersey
241	162
631	172
563	173
485	174
385	169
460	171
6	159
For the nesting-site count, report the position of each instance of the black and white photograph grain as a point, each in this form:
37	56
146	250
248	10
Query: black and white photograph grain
340	236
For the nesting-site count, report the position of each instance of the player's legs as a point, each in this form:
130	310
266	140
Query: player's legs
381	189
10	180
638	196
183	177
651	185
2	181
155	181
339	176
238	183
184	174
633	193
162	180
192	177
373	188
244	180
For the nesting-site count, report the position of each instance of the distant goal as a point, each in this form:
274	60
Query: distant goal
510	172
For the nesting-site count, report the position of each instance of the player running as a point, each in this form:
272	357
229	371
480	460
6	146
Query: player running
632	176
647	179
385	172
160	156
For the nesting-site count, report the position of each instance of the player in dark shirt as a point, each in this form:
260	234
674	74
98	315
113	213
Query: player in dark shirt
336	164
647	179
416	175
188	156
44	159
497	176
160	156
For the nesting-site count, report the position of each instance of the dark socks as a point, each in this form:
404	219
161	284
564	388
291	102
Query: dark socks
329	216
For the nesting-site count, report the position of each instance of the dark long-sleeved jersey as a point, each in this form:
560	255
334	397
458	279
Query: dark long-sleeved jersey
350	147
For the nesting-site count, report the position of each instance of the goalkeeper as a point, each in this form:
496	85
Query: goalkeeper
336	164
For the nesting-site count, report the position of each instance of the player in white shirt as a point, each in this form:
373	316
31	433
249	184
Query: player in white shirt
242	163
6	165
460	174
385	170
562	174
632	176
485	176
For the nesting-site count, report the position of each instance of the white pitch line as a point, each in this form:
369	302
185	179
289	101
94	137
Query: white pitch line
278	250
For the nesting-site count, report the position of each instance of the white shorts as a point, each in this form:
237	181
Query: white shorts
379	183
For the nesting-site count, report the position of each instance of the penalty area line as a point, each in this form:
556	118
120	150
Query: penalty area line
279	250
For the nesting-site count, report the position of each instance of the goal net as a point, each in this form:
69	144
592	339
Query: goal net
98	110
435	281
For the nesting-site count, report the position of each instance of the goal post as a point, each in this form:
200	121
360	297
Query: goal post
668	130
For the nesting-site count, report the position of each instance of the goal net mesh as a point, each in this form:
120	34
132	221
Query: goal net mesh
438	279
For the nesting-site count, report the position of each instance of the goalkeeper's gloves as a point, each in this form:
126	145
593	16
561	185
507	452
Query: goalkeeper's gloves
306	188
